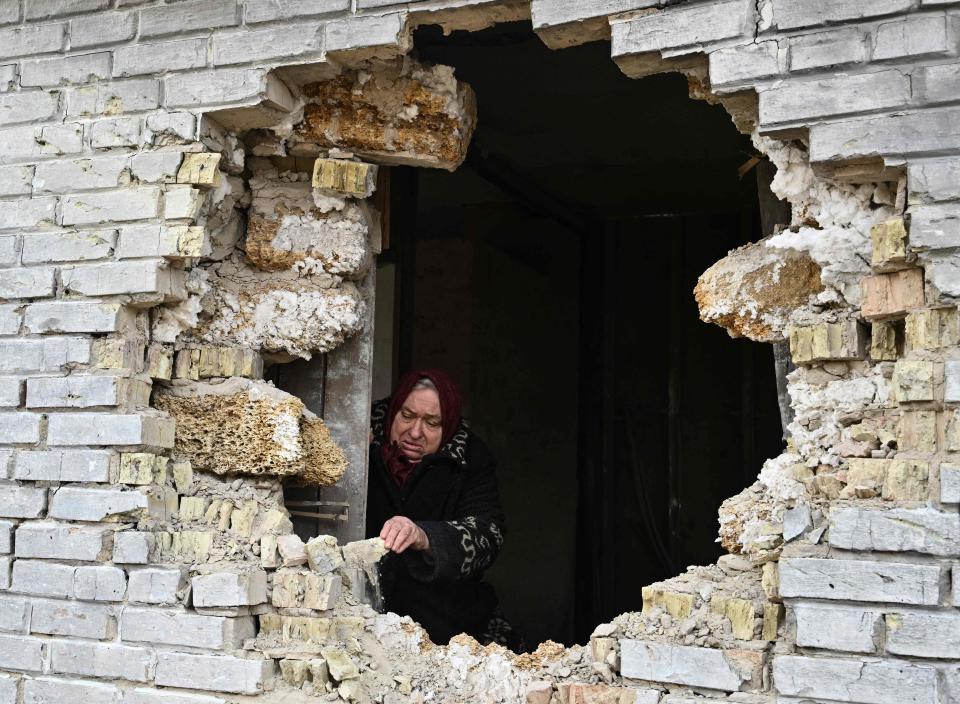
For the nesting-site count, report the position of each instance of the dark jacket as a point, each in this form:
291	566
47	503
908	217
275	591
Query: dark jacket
452	495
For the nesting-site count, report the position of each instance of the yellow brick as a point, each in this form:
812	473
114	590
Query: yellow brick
770	580
931	329
200	170
142	468
740	613
192	508
917	430
889	245
883	342
772	616
827	341
241	521
193	242
351	178
159	362
187	364
674	603
182	475
864	476
913	381
906	480
953	432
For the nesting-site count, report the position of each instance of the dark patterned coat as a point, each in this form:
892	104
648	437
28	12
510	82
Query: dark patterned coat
452	495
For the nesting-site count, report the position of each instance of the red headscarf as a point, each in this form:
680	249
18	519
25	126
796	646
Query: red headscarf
451	406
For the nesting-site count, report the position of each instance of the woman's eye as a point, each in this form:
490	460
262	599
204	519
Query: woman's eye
434	423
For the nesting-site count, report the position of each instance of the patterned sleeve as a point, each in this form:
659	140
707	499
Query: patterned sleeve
465	547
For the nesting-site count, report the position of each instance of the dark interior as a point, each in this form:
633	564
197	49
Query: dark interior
552	275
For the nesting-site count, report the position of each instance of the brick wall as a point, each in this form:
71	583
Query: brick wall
121	179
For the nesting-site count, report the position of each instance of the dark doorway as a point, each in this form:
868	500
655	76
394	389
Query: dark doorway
552	275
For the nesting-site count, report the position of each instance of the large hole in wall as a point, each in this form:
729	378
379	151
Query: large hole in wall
552	275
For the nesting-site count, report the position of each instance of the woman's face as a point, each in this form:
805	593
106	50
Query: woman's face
417	427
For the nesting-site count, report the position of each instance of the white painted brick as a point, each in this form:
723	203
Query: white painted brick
100	583
149	241
73	392
951	387
188	16
788	14
791	102
42	355
213	673
76	504
114	97
915	36
230	589
286	40
740	64
155	585
937	179
9	250
34	282
679	664
15	615
27	213
159	696
269	10
31	143
10	388
180	628
30	106
79	174
81	68
17	428
156	167
102	28
907	133
9	11
183	203
61	541
9	689
682	26
22	501
142	59
132	548
363	31
71	618
950	483
934	226
103	660
171	126
128	204
115	132
44	9
109	429
8	77
834	627
6	460
5	578
43	578
554	13
60	691
16	180
21	653
855	680
9	321
832	48
6	535
79	316
147	276
935	84
923	530
63	466
32	39
68	246
860	580
923	634
233	85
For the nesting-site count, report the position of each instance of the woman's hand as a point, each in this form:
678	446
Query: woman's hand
400	533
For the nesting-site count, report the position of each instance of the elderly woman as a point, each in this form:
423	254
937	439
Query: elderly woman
433	498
